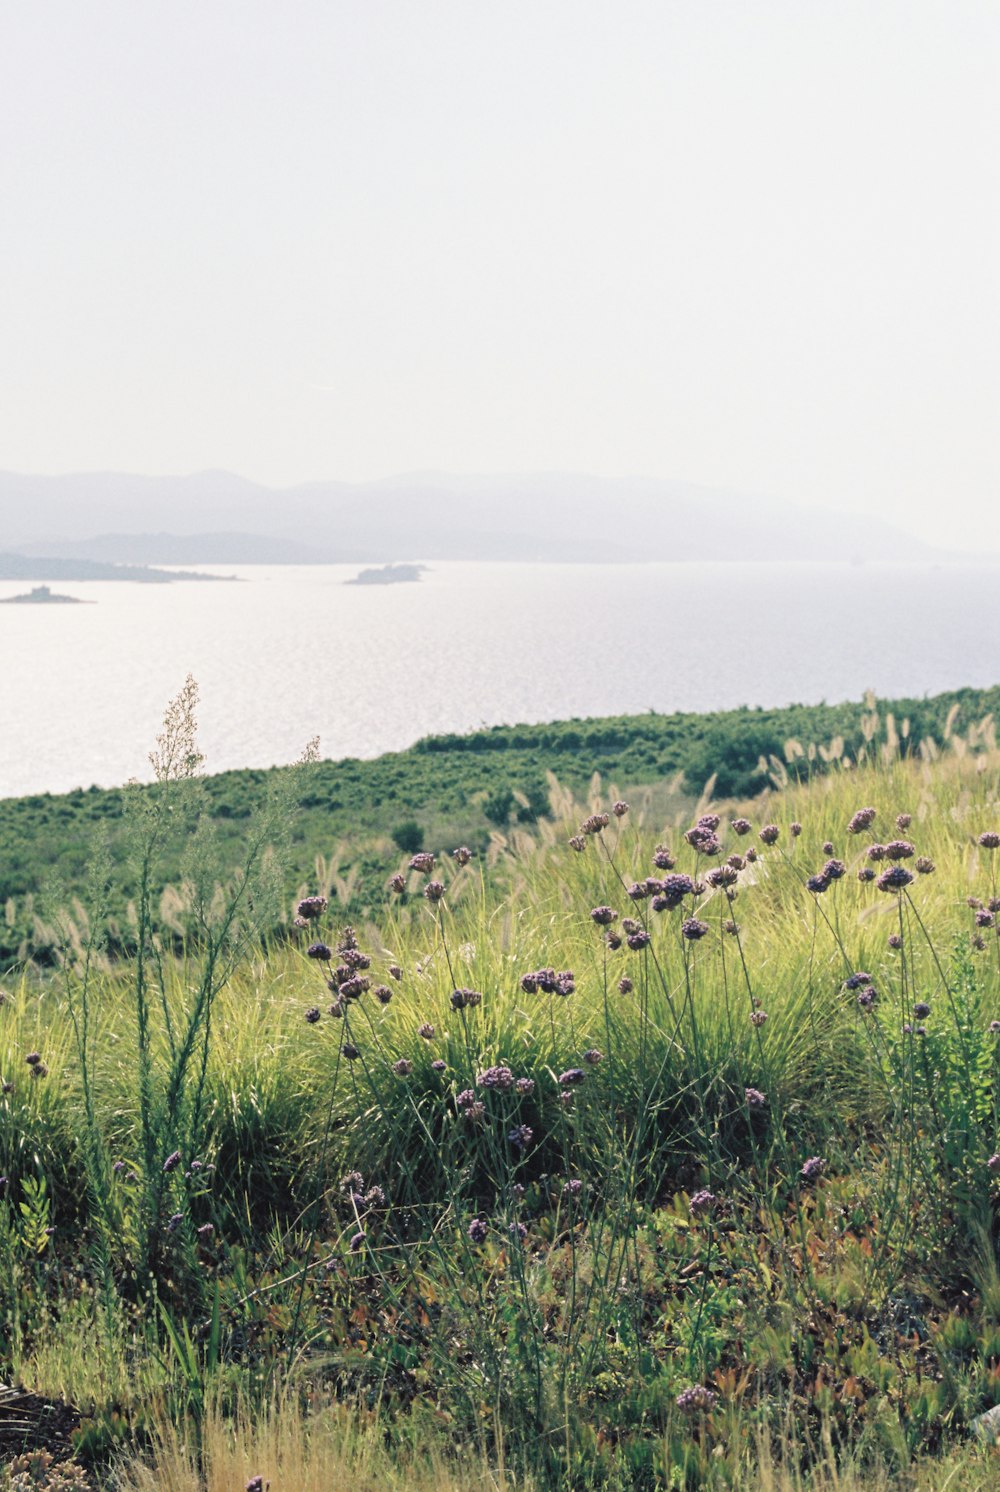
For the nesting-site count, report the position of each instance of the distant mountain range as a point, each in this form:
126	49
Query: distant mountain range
215	517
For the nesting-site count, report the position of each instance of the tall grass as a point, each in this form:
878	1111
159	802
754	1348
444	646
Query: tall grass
618	1178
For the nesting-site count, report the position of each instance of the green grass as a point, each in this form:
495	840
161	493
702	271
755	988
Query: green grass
846	1327
458	789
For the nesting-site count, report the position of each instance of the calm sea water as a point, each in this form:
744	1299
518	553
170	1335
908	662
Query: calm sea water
292	652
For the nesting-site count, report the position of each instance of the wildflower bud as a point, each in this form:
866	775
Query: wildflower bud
462	855
311	907
403	1067
755	1098
426	1030
577	842
990	840
434	890
693	929
896	878
741	826
382	993
592	1057
625	985
319	951
795	829
758	1017
903	821
895	940
397	883
924	866
350	1051
769	834
921	1009
478	1230
438	1065
702	1201
172	1162
662	858
423	862
619	809
312	1015
812	1168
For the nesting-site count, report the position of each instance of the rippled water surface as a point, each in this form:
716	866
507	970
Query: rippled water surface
293	652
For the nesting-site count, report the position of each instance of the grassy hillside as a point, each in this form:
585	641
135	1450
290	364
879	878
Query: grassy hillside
613	1179
454	789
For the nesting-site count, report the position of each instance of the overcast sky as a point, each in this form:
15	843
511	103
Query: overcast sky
754	244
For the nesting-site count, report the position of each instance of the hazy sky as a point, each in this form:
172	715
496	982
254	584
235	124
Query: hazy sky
754	244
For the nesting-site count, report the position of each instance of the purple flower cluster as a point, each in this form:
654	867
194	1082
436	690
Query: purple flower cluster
549	981
311	907
896	878
696	1400
990	840
813	1167
769	834
603	916
500	1078
520	1137
692	929
861	820
662	858
464	999
899	849
595	823
755	1098
423	862
703	1201
741	826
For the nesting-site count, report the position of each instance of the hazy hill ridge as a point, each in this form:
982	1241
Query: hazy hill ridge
217	517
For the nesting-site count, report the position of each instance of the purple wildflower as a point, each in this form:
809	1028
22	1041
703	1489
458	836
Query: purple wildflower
350	1051
205	1232
795	829
518	1231
592	1057
403	1067
603	916
769	834
382	993
172	1161
438	1065
434	890
578	843
924	866
866	873
813	1167
426	1031
758	1017
620	808
462	855
525	1086
625	985
319	951
921	1009
862	819
990	840
662	858
495	1077
693	929
899	849
174	1221
521	1136
357	1243
755	1098
478	1230
312	1014
423	862
895	940
818	883
696	1400
896	878
572	1188
571	1077
703	1201
741	826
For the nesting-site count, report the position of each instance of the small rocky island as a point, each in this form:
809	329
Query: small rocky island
388	575
42	596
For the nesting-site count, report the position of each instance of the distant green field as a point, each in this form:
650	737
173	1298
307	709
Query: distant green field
451	789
